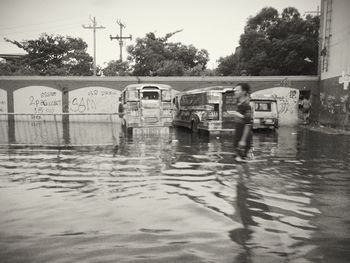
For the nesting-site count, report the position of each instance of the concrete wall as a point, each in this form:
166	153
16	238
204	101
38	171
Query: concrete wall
287	104
338	48
334	99
334	104
81	95
100	94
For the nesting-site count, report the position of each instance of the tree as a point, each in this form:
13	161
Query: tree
117	68
15	67
155	56
274	44
55	55
227	65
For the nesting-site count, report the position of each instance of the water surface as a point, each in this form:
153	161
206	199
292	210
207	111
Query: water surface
178	197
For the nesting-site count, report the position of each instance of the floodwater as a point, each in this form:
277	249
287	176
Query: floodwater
178	197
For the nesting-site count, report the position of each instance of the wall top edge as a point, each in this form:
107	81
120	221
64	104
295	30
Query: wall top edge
172	78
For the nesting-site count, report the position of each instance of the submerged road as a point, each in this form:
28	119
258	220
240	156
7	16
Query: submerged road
178	197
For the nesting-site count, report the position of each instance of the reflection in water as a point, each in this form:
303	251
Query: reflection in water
42	132
178	197
3	131
94	133
287	142
57	130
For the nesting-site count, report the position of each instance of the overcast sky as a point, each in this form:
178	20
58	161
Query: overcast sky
207	24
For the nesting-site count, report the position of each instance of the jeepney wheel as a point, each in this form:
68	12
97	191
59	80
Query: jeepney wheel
194	125
123	125
126	130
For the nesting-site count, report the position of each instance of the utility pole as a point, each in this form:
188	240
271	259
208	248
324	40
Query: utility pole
94	27
317	12
120	38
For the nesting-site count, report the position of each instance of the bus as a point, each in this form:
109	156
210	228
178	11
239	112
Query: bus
209	109
146	106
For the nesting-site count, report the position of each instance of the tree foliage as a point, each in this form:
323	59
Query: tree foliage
274	44
53	55
227	65
155	56
15	67
117	68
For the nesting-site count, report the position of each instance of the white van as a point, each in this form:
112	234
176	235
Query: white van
265	112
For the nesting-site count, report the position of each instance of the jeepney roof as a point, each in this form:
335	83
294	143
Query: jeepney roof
141	86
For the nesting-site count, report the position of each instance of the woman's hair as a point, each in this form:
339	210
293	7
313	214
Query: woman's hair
245	87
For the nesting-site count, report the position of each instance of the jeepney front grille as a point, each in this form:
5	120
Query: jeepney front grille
150	119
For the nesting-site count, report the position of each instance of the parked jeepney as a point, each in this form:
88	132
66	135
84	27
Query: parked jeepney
146	106
209	109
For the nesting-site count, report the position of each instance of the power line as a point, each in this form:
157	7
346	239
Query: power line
94	27
317	12
38	24
53	28
38	34
120	38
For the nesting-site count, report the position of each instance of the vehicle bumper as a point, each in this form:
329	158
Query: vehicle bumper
265	123
214	127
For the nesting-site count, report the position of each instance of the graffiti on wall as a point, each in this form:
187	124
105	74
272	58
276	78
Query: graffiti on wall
284	83
287	103
36	120
3	118
91	100
94	100
3	104
37	101
332	104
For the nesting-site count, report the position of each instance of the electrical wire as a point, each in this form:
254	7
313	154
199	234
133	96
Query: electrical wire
40	29
40	24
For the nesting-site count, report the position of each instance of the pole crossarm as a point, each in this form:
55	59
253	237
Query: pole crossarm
120	38
91	27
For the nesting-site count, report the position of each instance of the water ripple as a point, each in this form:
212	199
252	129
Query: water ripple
182	199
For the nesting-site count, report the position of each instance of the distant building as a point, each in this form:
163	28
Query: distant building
9	57
334	63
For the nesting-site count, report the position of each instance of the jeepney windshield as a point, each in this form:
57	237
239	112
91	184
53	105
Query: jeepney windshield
150	95
230	101
213	97
166	95
132	95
